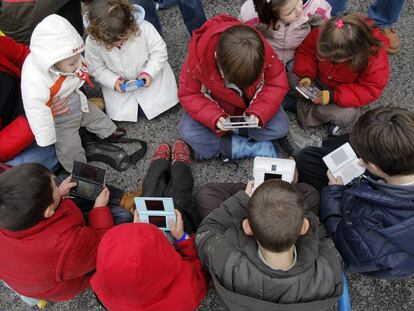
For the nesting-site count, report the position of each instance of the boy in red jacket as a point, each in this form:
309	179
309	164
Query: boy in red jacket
47	250
231	70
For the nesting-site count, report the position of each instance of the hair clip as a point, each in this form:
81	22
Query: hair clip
339	23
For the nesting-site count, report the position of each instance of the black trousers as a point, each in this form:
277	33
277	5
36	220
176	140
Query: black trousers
175	181
11	105
311	168
72	12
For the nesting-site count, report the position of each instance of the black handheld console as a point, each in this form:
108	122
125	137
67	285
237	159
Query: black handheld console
90	180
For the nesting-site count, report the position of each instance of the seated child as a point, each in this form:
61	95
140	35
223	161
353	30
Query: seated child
286	23
231	70
55	68
163	278
123	46
372	220
263	253
346	56
48	251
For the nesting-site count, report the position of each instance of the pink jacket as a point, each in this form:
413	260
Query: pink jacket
287	37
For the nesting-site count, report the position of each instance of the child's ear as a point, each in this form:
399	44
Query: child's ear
305	226
246	228
50	210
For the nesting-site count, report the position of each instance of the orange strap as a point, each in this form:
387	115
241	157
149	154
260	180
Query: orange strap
54	89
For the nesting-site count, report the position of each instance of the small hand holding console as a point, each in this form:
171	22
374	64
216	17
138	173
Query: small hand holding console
235	122
344	162
272	168
155	210
90	180
132	85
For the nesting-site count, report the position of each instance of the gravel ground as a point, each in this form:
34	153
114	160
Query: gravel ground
366	293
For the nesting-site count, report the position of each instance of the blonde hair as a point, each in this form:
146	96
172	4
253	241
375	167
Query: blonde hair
111	21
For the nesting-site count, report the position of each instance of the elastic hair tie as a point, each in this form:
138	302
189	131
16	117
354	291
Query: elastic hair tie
339	23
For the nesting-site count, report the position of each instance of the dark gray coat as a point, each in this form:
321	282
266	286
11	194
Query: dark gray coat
244	282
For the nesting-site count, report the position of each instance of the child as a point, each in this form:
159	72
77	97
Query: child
163	278
122	46
263	254
48	251
347	58
372	220
55	69
285	23
231	70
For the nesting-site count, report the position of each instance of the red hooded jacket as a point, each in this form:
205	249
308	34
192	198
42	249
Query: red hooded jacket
350	88
138	269
53	259
202	90
17	135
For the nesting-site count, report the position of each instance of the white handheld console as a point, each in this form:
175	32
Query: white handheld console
272	168
156	211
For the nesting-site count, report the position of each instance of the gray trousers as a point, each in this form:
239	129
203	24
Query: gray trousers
68	142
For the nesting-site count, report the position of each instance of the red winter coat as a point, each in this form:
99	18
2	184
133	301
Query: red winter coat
51	260
138	269
350	88
201	87
17	135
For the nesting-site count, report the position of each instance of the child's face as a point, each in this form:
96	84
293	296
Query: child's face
69	65
291	11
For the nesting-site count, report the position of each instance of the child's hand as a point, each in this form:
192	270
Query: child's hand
65	186
147	78
177	228
102	199
219	124
59	106
118	83
305	82
255	119
334	180
249	188
322	98
136	216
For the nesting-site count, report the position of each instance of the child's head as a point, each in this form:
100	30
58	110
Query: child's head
240	55
69	65
275	216
384	139
271	11
347	39
111	22
28	194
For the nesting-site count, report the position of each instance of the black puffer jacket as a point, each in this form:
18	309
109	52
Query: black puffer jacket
244	282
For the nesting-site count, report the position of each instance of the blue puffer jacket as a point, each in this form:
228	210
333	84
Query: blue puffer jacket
372	224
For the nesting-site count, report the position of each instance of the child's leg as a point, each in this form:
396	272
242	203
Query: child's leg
97	122
277	127
205	143
310	114
310	197
157	179
68	144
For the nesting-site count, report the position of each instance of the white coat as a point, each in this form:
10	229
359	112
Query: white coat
145	52
53	40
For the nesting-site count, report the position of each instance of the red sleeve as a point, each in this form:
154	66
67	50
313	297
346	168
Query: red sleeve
306	64
100	219
14	138
368	87
269	98
197	104
12	56
187	249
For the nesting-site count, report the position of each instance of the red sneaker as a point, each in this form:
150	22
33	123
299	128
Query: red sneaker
181	152
163	151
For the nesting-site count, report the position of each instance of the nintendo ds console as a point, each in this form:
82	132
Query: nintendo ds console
156	211
132	85
235	122
272	168
309	92
90	180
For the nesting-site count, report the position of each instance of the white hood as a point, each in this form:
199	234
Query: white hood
53	40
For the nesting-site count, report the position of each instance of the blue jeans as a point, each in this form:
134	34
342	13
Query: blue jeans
383	12
207	144
42	155
192	12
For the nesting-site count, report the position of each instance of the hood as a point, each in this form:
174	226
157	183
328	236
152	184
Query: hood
53	40
136	266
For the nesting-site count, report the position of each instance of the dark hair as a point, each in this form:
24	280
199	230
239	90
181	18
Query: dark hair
353	41
25	193
385	137
111	21
275	215
241	55
269	12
